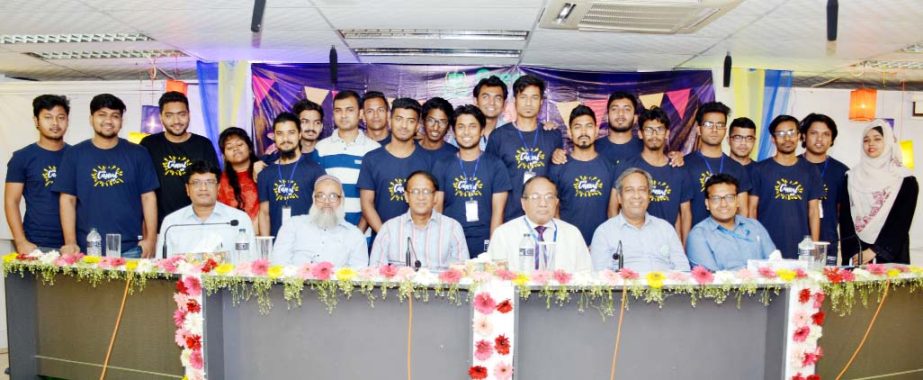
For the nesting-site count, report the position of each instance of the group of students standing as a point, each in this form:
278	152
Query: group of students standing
478	173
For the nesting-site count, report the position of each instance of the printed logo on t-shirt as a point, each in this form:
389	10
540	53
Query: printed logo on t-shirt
467	187
704	178
789	190
529	159
49	173
824	197
396	189
285	190
660	191
588	186
175	165
107	176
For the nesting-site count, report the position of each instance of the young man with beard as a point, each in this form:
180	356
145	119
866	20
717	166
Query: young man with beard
438	115
323	234
523	146
474	186
586	180
286	186
709	160
31	172
311	117
108	183
786	191
818	132
375	116
671	189
622	114
173	150
384	170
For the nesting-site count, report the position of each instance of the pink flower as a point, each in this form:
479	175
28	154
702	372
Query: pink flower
610	277
801	334
387	271
196	360
405	273
800	318
169	264
451	276
702	275
367	273
259	267
61	261
180	337
767	272
800	273
744	274
322	271
483	326
304	271
179	316
811	358
678	276
877	269
479	276
483	350
562	277
540	277
503	371
505	274
242	269
484	303
629	274
902	268
848	276
180	300
819	299
193	285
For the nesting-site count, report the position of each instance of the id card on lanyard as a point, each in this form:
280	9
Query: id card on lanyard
286	208
823	181
528	150
471	205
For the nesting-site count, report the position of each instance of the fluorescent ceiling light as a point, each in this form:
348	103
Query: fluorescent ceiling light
409	52
915	48
891	65
434	34
10	39
565	12
109	54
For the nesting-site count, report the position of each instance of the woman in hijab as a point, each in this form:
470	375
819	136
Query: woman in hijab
875	223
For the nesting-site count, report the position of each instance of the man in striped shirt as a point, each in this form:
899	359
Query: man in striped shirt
341	154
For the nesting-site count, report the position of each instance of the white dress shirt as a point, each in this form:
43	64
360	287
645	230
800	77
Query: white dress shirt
440	243
300	241
205	238
571	252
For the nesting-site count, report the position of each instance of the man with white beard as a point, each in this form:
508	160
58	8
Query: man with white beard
323	234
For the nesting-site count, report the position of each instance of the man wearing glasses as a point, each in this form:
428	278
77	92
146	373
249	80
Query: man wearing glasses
206	225
540	201
742	139
323	234
726	240
438	115
786	190
421	237
711	124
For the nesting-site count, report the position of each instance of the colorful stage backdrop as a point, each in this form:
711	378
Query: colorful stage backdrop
276	87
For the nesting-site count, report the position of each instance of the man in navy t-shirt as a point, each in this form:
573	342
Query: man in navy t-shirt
286	186
524	146
384	170
473	186
741	139
711	123
621	142
818	132
586	180
671	189
786	190
375	115
438	115
108	183
31	172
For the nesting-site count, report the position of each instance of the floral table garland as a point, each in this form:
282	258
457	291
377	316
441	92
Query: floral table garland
491	293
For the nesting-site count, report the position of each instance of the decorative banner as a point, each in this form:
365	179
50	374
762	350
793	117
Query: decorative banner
565	108
150	120
907	153
316	95
650	100
261	88
679	99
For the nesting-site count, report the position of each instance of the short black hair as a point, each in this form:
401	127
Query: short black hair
107	101
654	113
201	167
470	109
286	116
172	97
491	81
307	105
743	122
369	95
536	178
710	107
49	102
426	175
581	110
527	80
440	104
779	120
616	95
721	178
408	104
346	94
815	118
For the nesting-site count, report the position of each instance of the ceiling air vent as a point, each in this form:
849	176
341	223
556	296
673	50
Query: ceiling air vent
657	16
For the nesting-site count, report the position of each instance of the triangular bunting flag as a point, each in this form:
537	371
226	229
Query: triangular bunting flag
316	95
565	108
261	87
599	107
650	100
679	98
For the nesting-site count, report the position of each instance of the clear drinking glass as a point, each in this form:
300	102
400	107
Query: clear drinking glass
820	254
114	245
264	245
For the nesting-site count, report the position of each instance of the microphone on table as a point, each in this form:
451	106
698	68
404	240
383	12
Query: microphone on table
619	257
232	223
416	264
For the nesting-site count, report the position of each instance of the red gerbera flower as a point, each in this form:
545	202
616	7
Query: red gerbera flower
818	318
194	342
505	307
181	288
477	372
502	345
801	334
193	307
804	295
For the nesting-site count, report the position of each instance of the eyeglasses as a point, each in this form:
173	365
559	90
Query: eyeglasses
421	193
436	122
535	197
788	133
329	197
207	183
730	198
740	139
714	125
655	130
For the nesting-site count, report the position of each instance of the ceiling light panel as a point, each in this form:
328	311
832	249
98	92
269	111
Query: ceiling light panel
434	34
405	52
11	39
108	54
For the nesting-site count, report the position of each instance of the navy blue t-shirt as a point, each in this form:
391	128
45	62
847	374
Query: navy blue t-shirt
616	153
833	173
170	161
478	181
701	168
522	152
670	189
271	158
446	150
108	184
36	168
584	190
289	185
784	193
385	174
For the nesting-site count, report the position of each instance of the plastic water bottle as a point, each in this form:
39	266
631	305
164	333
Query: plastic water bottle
806	250
94	243
527	254
241	246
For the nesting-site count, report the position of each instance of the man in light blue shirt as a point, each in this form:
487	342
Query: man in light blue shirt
323	234
205	226
725	241
645	243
